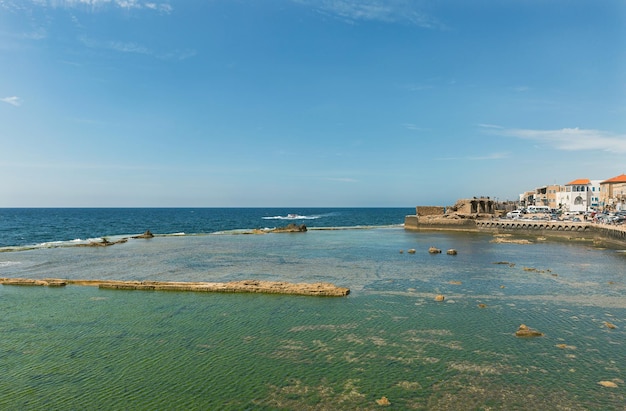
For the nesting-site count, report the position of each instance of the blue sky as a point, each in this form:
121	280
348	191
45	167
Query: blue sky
204	103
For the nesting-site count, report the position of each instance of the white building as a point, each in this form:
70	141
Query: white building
580	195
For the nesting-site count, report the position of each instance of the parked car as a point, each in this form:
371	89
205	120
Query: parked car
515	214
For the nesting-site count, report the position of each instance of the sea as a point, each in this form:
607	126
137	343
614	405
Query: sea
387	345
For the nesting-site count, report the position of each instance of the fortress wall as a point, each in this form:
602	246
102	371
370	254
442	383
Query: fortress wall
412	222
429	210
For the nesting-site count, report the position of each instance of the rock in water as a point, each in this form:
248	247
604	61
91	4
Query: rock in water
524	331
290	228
147	234
440	297
383	401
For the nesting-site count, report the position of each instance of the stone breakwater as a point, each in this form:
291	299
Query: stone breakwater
244	286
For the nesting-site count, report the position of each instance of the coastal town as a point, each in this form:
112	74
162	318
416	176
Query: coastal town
582	208
580	196
583	199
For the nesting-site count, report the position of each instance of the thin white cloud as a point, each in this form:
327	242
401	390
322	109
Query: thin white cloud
387	11
96	5
127	47
568	139
162	7
14	100
132	47
493	126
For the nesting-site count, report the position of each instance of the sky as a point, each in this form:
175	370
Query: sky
306	103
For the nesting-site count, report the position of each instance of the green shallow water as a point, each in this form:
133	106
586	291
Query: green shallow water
86	348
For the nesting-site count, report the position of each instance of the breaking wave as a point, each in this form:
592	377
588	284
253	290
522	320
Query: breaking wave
294	217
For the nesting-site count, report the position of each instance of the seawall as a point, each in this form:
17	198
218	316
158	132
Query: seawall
580	230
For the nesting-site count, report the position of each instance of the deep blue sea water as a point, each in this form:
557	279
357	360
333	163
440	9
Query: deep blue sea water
85	348
20	226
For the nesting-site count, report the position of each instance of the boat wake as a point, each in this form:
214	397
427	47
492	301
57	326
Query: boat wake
293	217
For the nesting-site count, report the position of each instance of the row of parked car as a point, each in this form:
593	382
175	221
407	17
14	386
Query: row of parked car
618	217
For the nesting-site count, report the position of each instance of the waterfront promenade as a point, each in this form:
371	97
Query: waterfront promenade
582	230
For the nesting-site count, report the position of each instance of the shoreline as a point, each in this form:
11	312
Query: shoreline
244	286
598	233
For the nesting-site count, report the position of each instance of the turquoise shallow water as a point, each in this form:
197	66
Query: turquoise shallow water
86	348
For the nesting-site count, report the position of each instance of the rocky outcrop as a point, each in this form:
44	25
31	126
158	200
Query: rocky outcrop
524	331
245	286
103	243
290	228
610	325
147	234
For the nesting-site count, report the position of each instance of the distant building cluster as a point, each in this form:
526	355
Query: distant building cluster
580	195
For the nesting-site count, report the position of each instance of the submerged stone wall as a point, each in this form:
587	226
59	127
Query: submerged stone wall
245	286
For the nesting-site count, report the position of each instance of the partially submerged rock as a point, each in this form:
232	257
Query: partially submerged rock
383	401
290	228
434	250
505	262
451	251
104	242
504	238
147	234
610	325
440	297
524	331
608	384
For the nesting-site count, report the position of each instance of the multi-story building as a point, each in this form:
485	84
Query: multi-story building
581	195
613	193
527	198
547	195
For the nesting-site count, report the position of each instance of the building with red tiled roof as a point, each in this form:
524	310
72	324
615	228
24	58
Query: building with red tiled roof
618	179
579	182
581	194
613	193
